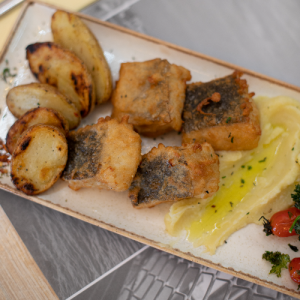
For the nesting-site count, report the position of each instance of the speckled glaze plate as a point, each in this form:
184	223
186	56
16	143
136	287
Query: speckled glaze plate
241	256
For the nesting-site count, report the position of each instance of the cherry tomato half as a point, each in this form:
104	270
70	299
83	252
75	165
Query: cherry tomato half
282	221
294	268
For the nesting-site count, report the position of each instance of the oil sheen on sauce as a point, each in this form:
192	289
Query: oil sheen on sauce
253	183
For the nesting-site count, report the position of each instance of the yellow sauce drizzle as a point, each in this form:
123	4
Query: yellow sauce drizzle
252	183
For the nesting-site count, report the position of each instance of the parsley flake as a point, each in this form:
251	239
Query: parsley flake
263	160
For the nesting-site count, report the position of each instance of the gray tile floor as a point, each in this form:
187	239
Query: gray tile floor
156	275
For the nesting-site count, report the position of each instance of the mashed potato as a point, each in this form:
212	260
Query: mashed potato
253	183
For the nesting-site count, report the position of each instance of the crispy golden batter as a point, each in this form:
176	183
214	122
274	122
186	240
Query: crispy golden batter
222	113
105	155
168	174
41	115
152	93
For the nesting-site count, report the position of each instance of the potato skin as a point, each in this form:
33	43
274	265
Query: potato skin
64	70
23	98
39	159
40	115
72	34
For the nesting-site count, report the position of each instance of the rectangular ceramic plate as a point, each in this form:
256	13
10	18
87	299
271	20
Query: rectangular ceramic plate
241	256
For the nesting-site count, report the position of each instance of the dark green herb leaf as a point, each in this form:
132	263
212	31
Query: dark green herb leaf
6	73
296	197
296	225
228	119
278	260
263	160
267	226
294	248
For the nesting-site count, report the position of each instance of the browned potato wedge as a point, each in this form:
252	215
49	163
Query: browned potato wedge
39	159
63	69
40	115
71	33
23	98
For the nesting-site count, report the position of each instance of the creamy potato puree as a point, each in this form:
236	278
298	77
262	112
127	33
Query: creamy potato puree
253	183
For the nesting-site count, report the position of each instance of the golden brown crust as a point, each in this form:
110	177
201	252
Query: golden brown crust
168	174
39	159
105	155
71	33
64	70
41	115
22	98
152	94
229	123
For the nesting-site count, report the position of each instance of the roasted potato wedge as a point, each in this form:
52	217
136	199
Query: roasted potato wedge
63	69
71	33
40	115
39	159
23	98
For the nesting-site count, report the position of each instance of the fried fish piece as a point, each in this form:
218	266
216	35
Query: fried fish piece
105	155
152	93
168	174
222	113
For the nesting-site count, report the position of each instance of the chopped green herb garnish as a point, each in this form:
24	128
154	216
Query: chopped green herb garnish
278	260
229	135
228	119
242	181
294	248
231	204
247	213
232	139
263	160
296	226
223	177
38	104
293	149
290	214
249	167
296	197
267	226
6	73
243	167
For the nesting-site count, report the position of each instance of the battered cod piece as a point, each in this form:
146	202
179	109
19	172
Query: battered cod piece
152	93
222	113
168	174
105	155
